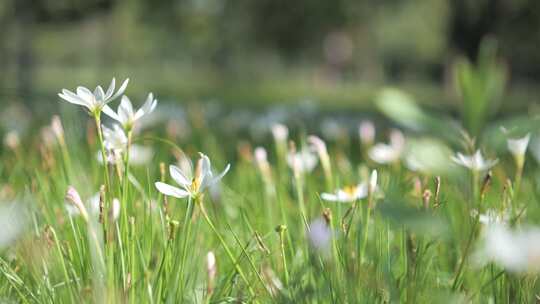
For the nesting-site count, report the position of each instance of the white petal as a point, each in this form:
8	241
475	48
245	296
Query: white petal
72	98
125	109
179	176
170	190
109	112
329	197
120	91
148	107
216	179
86	94
99	94
110	90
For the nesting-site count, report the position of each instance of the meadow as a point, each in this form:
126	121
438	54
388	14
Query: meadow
141	201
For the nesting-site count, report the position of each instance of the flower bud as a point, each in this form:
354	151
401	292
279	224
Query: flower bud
73	197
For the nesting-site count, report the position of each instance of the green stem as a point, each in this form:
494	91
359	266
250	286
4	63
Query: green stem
366	233
97	118
227	250
187	228
468	246
283	256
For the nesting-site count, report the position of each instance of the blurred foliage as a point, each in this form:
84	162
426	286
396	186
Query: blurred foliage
480	87
244	50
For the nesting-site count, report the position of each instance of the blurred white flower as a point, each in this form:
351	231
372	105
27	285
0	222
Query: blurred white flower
515	250
492	216
318	145
475	162
125	114
138	155
74	199
13	220
388	153
261	160
347	194
94	102
191	183
280	133
373	182
57	128
114	212
518	146
211	270
303	161
114	139
320	236
366	131
12	140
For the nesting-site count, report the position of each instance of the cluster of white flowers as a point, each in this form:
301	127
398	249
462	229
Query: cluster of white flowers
115	140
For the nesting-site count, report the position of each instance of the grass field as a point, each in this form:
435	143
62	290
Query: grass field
358	213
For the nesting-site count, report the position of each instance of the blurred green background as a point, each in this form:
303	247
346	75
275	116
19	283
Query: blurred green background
337	53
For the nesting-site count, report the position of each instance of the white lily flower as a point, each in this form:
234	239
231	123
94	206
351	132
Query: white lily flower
347	194
388	153
191	184
95	101
303	161
125	114
475	162
516	250
114	139
518	146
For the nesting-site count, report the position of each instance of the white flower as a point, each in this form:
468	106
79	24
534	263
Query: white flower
353	193
518	146
73	198
114	139
94	102
114	212
57	128
138	155
191	184
125	114
366	131
373	182
211	270
280	133
388	153
517	251
318	145
492	216
303	161
475	162
13	220
12	140
320	235
347	194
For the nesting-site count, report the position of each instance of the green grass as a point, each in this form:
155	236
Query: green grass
399	248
